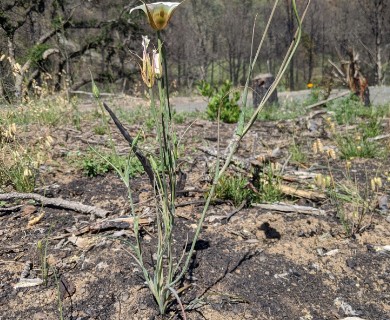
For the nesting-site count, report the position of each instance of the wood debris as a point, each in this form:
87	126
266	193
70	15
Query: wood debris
105	225
283	207
299	193
56	202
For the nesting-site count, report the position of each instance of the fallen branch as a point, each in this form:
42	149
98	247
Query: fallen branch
91	94
56	202
242	205
307	194
381	137
298	175
122	223
320	103
258	161
9	210
198	203
141	157
283	207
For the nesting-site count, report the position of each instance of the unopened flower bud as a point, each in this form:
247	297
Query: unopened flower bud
331	154
157	64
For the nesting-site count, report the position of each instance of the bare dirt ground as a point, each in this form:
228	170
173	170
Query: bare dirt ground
378	96
261	264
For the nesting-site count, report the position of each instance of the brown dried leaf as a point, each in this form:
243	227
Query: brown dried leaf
28	210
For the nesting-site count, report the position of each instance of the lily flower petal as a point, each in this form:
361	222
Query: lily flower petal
158	13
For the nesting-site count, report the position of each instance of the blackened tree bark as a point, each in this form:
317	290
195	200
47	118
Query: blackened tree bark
290	33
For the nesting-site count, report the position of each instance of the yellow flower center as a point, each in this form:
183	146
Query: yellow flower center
160	19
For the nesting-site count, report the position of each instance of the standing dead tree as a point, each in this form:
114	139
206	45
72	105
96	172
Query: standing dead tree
13	18
349	74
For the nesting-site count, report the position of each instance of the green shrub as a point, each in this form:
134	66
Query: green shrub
98	162
297	154
287	111
221	99
234	188
350	110
357	147
371	128
268	185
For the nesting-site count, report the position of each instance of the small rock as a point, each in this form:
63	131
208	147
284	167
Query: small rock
332	252
312	125
281	275
125	297
315	267
345	307
351	263
102	265
252	241
383	203
323	253
212	219
147	237
276	153
39	316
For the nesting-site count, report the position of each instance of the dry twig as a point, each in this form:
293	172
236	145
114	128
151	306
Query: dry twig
56	202
283	207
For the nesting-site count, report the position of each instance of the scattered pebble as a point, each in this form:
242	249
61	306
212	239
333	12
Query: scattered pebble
102	265
212	219
383	203
345	307
26	283
281	275
351	263
323	253
332	252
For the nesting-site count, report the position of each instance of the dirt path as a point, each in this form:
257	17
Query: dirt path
379	95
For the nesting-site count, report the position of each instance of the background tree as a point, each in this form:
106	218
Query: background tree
208	40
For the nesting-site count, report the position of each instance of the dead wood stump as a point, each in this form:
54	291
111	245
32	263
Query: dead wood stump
261	83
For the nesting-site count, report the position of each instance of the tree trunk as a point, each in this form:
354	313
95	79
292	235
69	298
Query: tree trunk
290	30
2	94
378	41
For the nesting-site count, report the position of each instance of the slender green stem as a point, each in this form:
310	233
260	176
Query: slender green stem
162	52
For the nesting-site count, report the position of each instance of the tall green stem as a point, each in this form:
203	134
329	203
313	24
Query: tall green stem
162	52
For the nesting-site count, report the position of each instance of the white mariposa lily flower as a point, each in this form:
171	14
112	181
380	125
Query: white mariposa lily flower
158	13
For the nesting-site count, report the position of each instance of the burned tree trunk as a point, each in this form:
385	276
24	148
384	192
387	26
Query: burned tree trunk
350	74
261	84
356	80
